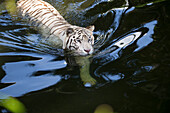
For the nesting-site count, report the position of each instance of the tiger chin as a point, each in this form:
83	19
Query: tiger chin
58	32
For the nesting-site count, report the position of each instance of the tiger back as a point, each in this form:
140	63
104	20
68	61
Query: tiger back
55	28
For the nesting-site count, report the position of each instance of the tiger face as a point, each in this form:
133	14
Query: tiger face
79	40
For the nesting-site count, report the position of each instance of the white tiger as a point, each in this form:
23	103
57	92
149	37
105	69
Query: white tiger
55	28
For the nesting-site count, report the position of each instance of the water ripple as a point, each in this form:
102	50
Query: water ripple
22	75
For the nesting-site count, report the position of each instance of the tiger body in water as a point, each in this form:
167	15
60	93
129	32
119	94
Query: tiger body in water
59	32
55	28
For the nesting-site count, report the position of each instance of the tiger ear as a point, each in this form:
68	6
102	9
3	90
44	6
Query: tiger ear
69	30
91	28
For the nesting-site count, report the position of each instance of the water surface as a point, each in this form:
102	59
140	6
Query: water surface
131	60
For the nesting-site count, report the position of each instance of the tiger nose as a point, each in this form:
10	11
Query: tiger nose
87	50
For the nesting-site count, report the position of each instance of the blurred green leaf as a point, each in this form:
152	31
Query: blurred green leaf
104	108
11	7
11	104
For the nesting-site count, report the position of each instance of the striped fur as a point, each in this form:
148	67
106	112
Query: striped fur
55	28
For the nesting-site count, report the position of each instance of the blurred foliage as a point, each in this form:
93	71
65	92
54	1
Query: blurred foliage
11	104
11	7
104	108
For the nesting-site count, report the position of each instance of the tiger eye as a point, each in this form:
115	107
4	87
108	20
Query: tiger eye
79	41
69	30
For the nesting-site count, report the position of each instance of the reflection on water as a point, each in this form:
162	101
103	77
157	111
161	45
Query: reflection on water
130	63
142	37
147	39
22	76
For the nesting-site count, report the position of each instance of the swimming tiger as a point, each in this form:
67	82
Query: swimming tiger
55	28
57	31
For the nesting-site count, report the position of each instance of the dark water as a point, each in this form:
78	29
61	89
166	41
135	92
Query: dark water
133	78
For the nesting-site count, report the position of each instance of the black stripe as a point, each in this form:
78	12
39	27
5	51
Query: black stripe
32	5
67	41
46	22
57	29
45	17
43	20
50	17
47	12
52	22
63	33
86	33
38	10
32	12
70	43
57	25
36	5
26	2
26	5
26	10
38	14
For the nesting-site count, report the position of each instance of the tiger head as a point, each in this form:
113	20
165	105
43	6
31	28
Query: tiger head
79	40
